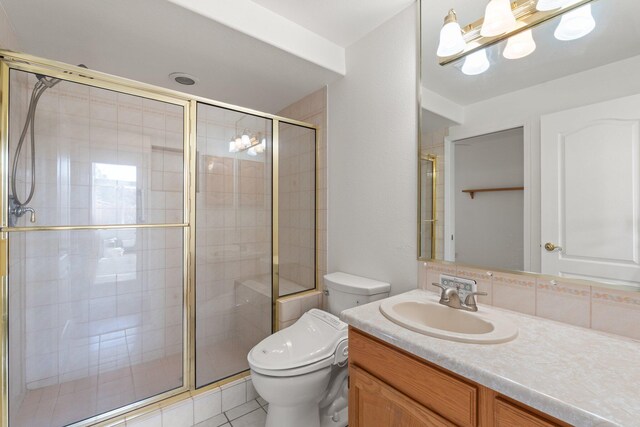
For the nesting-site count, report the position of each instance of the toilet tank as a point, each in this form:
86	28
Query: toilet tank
343	291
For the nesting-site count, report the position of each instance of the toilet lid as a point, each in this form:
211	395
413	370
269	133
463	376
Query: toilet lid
312	338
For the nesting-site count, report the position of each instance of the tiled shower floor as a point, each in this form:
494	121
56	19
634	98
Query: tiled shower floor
62	404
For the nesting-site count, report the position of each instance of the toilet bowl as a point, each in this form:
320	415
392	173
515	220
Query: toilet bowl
301	371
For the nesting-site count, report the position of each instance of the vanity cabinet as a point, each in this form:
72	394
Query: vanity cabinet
390	387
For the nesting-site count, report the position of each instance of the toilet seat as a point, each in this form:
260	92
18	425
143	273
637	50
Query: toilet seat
301	370
317	340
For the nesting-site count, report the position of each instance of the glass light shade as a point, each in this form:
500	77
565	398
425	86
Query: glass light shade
451	40
232	147
498	19
545	5
575	24
259	148
476	63
520	45
245	141
252	151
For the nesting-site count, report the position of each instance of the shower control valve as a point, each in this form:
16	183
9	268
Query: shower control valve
17	211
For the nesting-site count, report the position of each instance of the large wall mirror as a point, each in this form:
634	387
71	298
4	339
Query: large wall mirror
536	136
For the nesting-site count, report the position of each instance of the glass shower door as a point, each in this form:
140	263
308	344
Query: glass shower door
96	272
233	240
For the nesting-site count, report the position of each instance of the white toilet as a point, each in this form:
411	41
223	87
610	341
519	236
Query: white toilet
302	370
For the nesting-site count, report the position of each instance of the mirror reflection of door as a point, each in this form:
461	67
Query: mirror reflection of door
591	191
487	200
573	98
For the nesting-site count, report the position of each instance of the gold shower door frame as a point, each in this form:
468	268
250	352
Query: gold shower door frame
32	64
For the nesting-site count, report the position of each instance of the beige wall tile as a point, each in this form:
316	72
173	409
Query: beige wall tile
434	270
564	302
289	309
616	312
514	292
309	301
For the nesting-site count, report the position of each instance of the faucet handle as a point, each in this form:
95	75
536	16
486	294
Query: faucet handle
470	300
32	217
444	288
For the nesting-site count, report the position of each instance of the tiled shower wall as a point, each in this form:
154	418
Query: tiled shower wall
86	302
578	303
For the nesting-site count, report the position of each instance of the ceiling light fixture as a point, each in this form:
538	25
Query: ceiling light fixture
451	40
476	63
575	24
512	20
252	143
545	5
520	45
498	19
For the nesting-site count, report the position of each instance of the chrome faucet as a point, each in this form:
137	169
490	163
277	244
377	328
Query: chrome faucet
16	211
450	297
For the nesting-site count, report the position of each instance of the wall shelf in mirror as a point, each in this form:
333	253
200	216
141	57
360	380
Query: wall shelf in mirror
483	190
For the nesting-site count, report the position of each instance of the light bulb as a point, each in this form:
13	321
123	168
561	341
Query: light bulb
245	141
451	40
238	143
545	5
575	24
520	45
476	63
232	146
498	19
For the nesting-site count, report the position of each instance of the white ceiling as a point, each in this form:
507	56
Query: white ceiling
266	64
616	37
341	21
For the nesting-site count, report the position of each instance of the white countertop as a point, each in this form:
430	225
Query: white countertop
580	376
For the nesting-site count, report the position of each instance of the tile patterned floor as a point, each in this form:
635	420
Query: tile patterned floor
61	404
251	414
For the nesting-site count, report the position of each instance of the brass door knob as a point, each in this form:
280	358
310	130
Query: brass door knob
551	247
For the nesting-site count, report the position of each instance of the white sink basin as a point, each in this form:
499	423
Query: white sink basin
434	319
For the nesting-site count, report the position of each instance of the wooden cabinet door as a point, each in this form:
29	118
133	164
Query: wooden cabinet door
507	414
373	403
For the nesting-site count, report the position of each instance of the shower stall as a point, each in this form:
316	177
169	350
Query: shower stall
146	236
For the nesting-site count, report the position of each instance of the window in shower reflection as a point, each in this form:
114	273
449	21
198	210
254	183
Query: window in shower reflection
78	128
118	256
114	194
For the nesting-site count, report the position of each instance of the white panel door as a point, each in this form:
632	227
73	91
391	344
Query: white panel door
591	191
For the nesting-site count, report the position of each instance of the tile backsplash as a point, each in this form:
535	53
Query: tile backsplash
562	300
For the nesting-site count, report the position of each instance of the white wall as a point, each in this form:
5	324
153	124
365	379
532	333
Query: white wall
8	37
492	219
372	160
524	108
